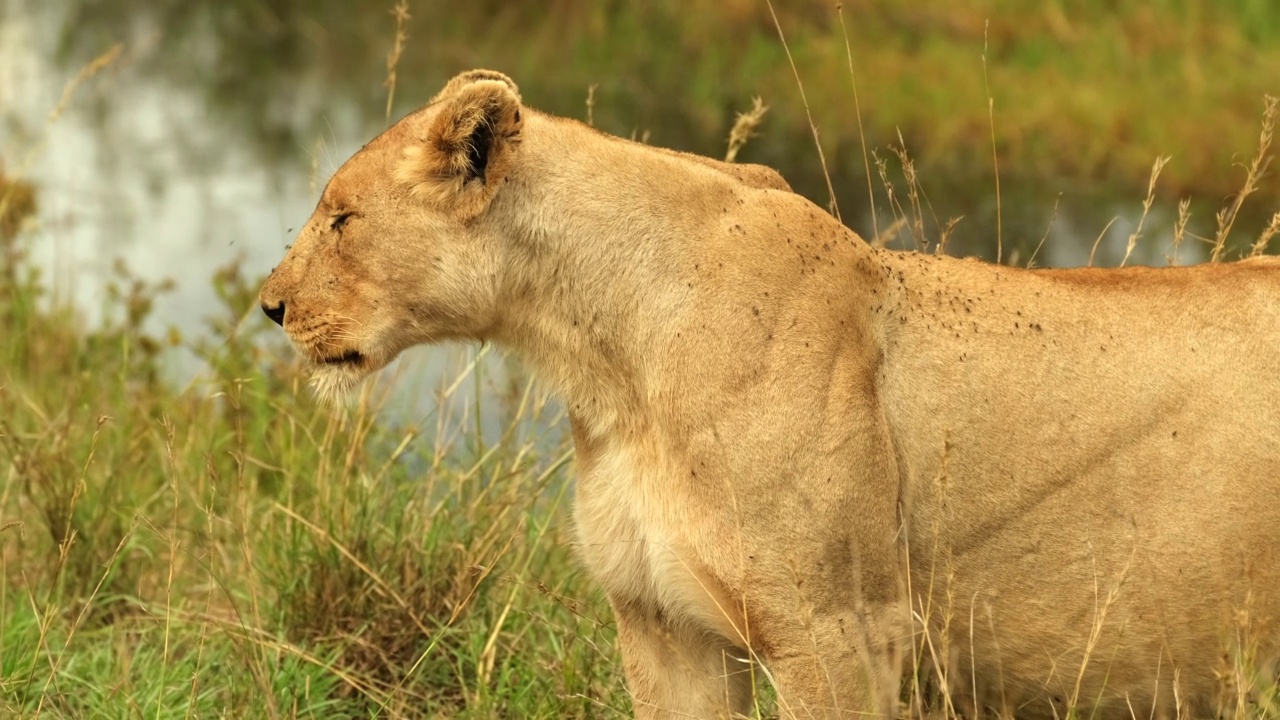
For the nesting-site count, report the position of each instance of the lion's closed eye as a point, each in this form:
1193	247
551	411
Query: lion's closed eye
339	221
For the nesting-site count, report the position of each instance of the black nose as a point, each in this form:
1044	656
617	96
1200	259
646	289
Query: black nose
275	313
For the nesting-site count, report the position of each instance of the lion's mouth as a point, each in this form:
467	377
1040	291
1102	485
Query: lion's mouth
350	357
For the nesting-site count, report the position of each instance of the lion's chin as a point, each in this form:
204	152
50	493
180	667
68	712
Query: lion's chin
336	384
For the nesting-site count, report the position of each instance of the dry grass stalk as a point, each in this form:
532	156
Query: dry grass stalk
93	67
901	218
913	194
313	178
17	199
857	111
995	159
806	613
1031	262
401	14
1178	707
1093	251
1146	207
822	158
1095	631
945	234
912	216
889	234
1227	216
591	104
210	584
744	128
1264	239
171	457
1245	658
1180	227
940	652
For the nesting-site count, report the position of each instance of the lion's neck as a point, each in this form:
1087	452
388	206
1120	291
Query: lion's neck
597	234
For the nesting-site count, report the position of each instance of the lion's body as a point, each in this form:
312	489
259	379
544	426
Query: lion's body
1105	428
793	446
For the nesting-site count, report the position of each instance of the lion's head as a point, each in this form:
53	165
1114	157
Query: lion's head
395	253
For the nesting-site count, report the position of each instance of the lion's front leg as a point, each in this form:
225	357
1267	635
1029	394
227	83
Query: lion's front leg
680	672
841	665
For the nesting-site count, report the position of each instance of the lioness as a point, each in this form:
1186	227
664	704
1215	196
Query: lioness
1060	488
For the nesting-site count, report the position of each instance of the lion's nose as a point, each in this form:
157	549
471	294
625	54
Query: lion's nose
275	313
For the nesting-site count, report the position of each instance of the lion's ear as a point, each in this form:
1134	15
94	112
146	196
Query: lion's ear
466	78
468	147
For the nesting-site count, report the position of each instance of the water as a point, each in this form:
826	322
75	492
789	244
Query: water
134	170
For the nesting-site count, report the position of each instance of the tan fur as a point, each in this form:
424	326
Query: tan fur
1051	484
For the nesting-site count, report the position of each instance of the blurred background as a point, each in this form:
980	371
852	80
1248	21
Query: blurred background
205	138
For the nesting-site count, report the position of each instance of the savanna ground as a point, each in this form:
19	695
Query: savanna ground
226	548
